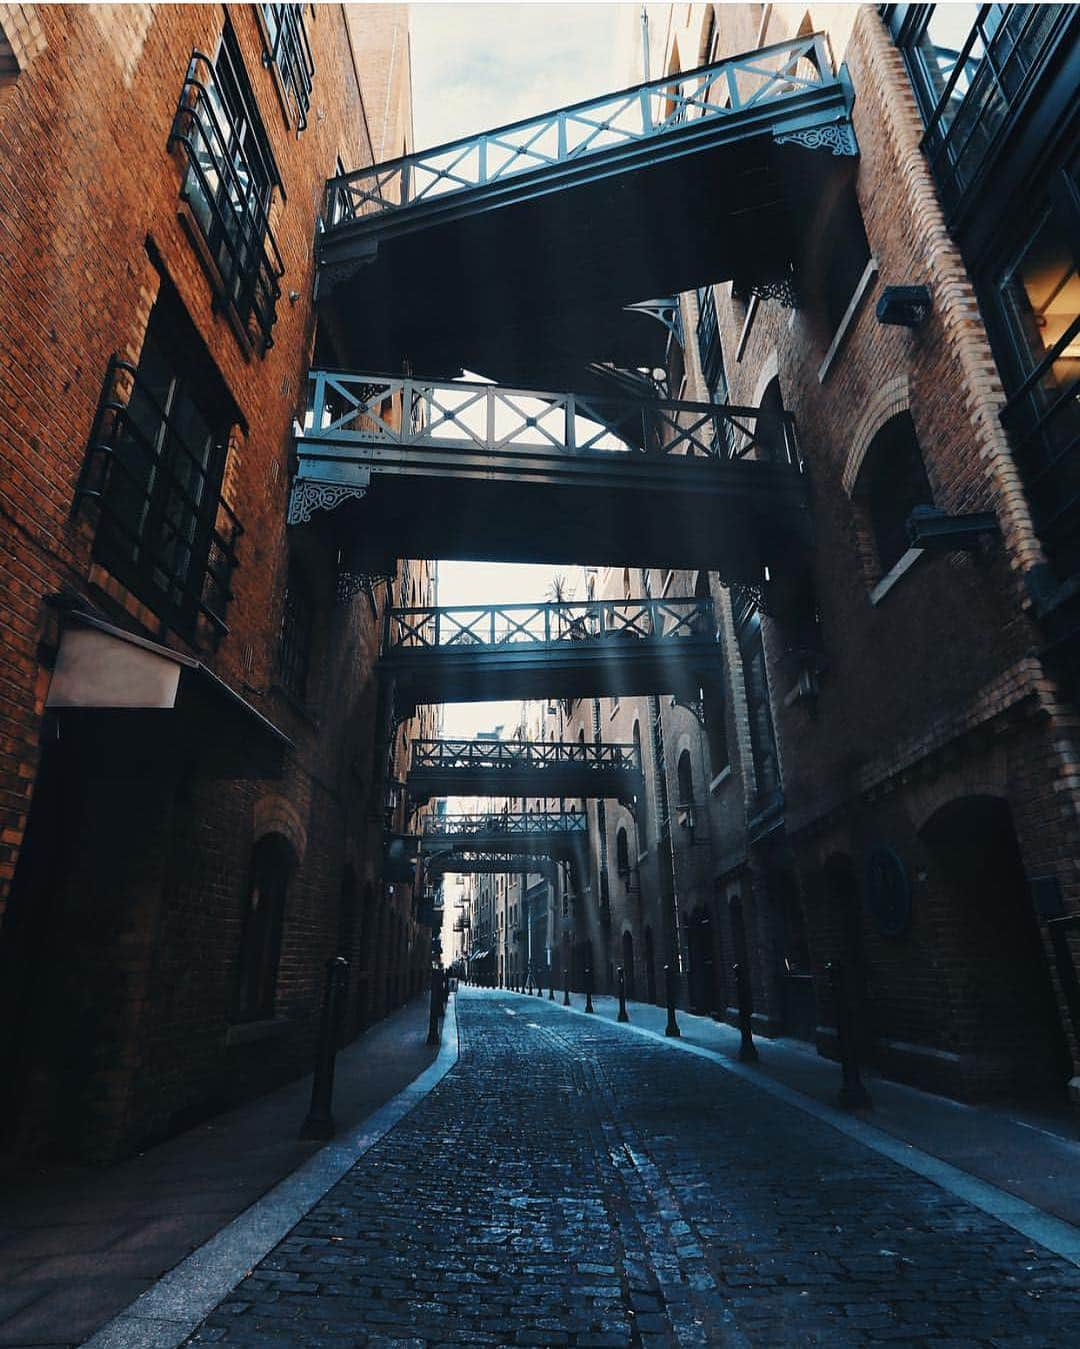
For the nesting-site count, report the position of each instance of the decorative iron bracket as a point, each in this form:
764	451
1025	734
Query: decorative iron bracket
695	705
838	138
308	496
665	311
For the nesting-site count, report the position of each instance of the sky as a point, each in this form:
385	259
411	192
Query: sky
478	66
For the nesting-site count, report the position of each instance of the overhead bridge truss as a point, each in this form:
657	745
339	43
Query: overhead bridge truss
514	768
587	648
556	834
672	109
489	863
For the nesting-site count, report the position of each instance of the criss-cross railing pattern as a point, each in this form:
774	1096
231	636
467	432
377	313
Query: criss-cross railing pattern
483	862
670	106
496	754
502	625
350	409
506	823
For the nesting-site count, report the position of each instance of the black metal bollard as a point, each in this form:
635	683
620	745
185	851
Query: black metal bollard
624	1015
566	988
539	981
434	1011
588	988
320	1118
853	1095
672	1027
530	982
747	1049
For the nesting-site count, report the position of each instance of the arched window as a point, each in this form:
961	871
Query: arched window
774	441
891	483
686	779
622	855
264	915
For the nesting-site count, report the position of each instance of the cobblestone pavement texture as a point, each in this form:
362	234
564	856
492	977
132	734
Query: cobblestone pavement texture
571	1184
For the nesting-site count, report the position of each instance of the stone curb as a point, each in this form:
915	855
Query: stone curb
168	1312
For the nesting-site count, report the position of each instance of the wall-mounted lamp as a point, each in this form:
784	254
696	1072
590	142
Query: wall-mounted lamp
904	306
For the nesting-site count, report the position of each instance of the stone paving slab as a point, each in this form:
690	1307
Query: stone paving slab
77	1245
570	1183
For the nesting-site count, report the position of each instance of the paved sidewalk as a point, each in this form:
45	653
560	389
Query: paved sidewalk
77	1245
1031	1153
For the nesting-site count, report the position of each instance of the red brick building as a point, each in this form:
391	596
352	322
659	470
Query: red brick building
191	809
890	781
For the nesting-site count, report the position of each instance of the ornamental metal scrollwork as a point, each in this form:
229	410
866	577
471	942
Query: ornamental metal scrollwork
694	705
838	138
308	496
782	288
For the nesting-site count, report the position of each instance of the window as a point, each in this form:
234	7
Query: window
971	67
774	439
290	54
892	482
155	464
622	855
228	186
759	710
684	774
849	253
709	347
1034	309
260	942
294	648
643	804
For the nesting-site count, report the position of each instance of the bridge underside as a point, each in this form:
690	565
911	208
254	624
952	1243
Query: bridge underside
485	864
518	279
558	845
684	513
573	781
612	667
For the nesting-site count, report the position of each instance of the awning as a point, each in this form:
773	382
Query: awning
124	696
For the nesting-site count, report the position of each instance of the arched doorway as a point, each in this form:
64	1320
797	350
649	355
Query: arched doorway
650	966
702	974
1016	1032
628	962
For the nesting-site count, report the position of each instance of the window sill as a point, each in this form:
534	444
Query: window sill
862	290
891	577
248	1032
748	323
723	776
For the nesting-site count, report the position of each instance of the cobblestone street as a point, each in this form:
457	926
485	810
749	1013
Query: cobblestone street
572	1183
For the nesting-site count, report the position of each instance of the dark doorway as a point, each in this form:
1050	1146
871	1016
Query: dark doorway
1016	1030
702	974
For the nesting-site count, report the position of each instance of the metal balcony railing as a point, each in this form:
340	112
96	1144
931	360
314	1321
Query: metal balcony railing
1005	49
290	52
360	409
500	625
228	190
671	106
163	529
485	754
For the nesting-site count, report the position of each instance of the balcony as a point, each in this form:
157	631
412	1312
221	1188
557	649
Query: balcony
486	472
227	190
163	529
594	648
702	176
509	768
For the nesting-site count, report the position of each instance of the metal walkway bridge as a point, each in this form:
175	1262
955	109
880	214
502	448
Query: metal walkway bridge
516	768
591	648
489	864
555	834
479	471
503	240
